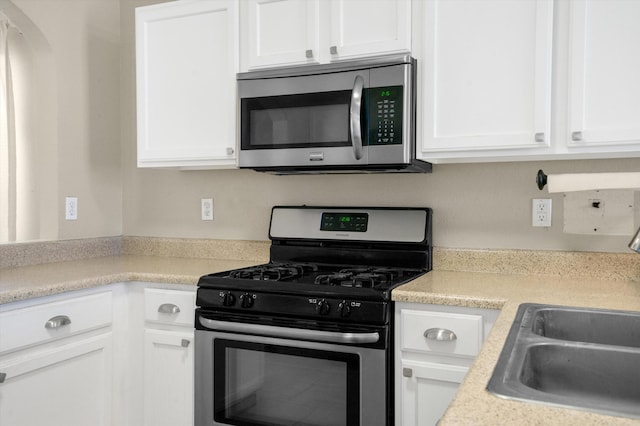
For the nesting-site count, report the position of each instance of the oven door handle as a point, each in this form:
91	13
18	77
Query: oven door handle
291	333
354	116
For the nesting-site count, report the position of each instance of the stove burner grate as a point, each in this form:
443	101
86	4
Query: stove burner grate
360	277
274	272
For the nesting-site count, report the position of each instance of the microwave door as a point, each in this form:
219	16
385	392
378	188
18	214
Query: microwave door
304	121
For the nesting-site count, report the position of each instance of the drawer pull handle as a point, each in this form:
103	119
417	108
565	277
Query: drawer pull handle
168	308
57	322
185	343
440	334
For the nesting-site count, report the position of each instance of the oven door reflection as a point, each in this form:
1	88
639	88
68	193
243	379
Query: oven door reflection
261	384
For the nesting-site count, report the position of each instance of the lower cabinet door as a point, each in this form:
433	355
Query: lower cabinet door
168	378
68	385
427	390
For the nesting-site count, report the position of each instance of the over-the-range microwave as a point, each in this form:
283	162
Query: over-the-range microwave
343	117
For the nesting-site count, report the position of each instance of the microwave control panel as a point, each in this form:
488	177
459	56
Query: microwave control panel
385	115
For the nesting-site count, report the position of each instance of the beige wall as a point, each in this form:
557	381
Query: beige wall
475	205
74	126
92	89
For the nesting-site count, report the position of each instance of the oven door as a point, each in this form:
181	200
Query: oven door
255	375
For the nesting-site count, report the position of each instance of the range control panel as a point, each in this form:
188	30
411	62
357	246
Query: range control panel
336	308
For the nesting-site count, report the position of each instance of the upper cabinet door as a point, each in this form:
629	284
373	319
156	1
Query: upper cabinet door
298	32
282	32
363	28
486	77
186	53
604	73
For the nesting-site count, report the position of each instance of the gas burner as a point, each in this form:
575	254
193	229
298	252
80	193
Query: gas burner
359	277
274	272
369	280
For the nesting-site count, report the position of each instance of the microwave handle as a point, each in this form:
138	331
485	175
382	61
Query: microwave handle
354	116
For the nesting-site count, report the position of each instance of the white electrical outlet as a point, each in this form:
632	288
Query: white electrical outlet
206	206
71	208
541	212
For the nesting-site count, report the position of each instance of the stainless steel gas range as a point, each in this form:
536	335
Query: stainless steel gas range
306	339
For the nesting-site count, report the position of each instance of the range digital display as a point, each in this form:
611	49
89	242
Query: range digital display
351	222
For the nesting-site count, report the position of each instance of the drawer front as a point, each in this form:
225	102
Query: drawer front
169	306
48	321
464	330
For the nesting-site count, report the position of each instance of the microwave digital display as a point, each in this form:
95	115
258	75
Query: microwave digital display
385	115
352	222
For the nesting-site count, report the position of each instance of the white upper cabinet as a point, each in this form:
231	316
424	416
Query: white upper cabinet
281	32
294	32
604	72
187	55
486	78
369	27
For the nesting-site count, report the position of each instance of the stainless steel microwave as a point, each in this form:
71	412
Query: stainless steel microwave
344	117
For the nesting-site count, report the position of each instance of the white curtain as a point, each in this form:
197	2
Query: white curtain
7	140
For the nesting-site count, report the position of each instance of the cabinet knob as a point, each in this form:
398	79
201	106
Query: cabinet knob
333	50
407	372
309	53
440	334
57	322
230	151
539	137
185	343
576	136
168	308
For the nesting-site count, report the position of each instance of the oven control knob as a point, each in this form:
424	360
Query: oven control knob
228	299
344	308
323	307
246	300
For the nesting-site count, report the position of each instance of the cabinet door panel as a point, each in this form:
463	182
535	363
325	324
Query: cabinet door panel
486	75
428	390
65	386
168	392
605	73
282	31
186	65
360	28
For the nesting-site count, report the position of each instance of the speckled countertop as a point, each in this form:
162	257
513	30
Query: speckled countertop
499	279
473	405
41	280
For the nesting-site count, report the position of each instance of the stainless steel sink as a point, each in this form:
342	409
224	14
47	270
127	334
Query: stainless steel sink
581	358
588	325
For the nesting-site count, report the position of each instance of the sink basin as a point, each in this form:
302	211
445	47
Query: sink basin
581	358
588	325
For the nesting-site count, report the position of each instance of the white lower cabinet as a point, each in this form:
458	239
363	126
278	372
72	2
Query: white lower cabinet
434	348
56	361
168	377
116	355
168	356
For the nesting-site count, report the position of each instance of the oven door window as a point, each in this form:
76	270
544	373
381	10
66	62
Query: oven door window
262	384
296	121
